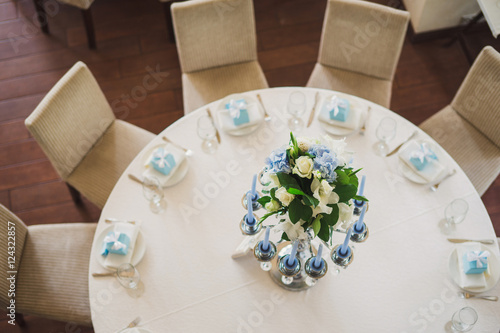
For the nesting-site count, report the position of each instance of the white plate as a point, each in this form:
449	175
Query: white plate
139	247
337	130
491	279
250	100
410	174
137	329
165	181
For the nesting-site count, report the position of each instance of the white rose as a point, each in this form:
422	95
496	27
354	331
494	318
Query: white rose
283	196
346	214
272	206
303	167
323	191
305	143
271	180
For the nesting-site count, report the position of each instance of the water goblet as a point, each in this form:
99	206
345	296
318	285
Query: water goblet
464	319
153	192
455	212
128	276
386	131
207	132
296	107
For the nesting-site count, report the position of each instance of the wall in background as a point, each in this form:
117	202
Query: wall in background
428	15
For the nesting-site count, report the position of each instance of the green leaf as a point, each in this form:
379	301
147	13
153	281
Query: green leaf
306	213
284	237
345	192
316	225
295	191
350	173
263	218
353	179
295	210
264	200
288	181
324	233
332	218
360	198
342	177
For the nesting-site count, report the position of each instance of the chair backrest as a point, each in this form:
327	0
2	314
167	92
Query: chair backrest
478	98
213	33
363	37
70	119
12	236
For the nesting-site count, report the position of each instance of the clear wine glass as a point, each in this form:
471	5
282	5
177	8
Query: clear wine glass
296	107
456	211
386	131
207	132
128	276
153	192
464	319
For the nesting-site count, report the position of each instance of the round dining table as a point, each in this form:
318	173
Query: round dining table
399	280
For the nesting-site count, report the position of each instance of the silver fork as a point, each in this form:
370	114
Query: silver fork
435	186
468	295
134	323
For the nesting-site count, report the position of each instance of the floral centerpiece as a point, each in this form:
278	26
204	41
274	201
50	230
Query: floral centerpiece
309	184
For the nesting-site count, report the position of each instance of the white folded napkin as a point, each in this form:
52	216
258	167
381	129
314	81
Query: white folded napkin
352	121
430	172
227	124
179	157
114	260
469	281
132	330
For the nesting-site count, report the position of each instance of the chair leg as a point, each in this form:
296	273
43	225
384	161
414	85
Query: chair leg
20	320
75	195
41	16
89	27
168	20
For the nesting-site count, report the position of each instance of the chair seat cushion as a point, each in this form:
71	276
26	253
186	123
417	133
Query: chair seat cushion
100	169
53	275
474	152
202	87
364	86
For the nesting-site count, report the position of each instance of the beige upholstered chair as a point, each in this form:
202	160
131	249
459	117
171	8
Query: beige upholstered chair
469	128
360	47
52	263
217	49
83	5
80	135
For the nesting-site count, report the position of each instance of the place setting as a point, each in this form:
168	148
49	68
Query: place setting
119	248
340	116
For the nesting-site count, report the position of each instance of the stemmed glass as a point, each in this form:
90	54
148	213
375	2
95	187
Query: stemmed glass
464	319
386	131
455	212
128	276
296	107
153	192
207	132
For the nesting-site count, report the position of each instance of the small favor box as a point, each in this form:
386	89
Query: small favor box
241	113
421	157
339	109
475	262
162	161
115	242
418	163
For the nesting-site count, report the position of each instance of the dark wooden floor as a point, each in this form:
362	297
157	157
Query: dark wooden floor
131	36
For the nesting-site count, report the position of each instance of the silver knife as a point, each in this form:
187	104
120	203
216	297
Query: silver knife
483	241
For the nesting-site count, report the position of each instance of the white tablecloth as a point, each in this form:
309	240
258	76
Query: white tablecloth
398	281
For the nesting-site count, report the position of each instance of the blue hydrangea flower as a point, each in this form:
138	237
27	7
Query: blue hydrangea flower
318	150
325	165
278	162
